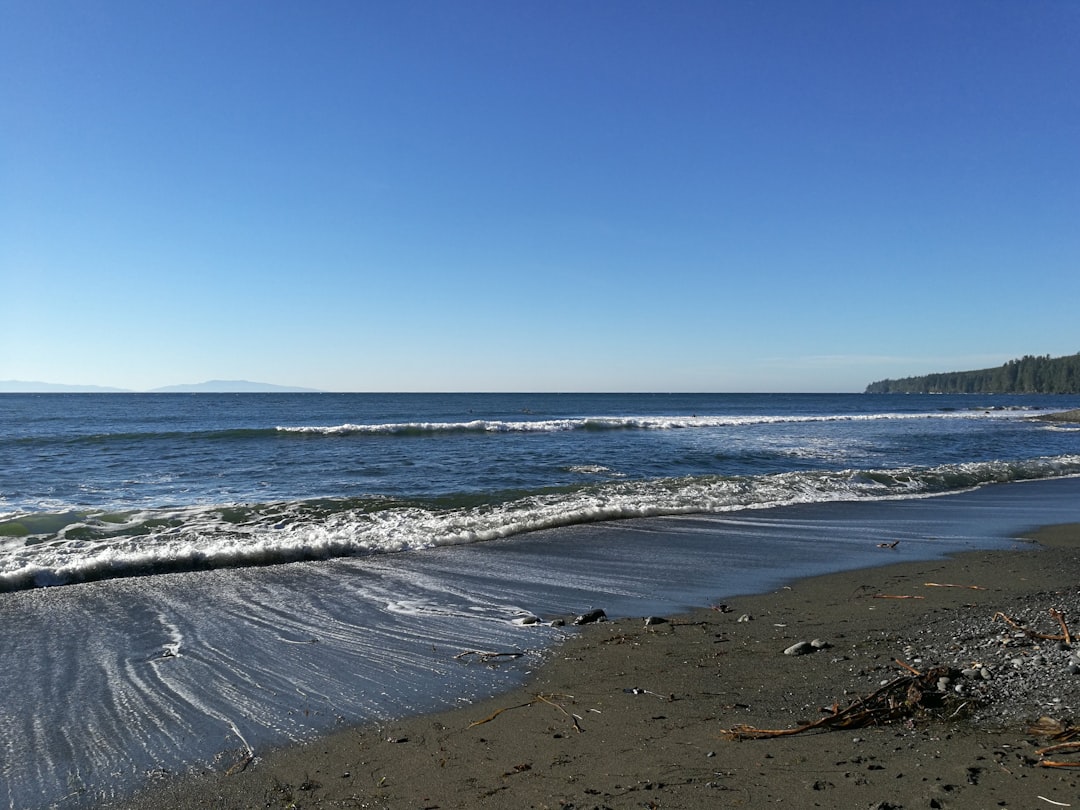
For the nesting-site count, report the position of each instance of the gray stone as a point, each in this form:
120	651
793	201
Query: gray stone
591	617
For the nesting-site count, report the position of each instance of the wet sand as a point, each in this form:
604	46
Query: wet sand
629	715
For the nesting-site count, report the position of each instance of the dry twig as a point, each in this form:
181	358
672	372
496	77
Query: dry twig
908	667
1027	631
900	697
895	596
950	585
1056	730
1060	616
538	699
485	656
1053	729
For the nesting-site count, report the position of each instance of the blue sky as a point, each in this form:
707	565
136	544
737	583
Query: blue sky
627	196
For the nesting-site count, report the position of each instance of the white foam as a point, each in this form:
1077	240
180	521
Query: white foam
623	423
202	538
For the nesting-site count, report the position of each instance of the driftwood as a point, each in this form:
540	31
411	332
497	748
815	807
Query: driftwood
246	758
895	596
538	699
1065	636
900	698
1064	734
1053	729
485	656
1060	616
951	585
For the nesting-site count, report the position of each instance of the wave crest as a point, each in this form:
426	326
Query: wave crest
62	548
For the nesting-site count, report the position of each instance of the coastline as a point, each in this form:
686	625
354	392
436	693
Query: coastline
1072	416
626	714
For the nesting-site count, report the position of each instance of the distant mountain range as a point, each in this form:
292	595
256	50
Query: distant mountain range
208	387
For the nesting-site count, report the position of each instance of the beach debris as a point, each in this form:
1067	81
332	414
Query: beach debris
1060	616
722	608
901	698
539	698
591	617
1062	748
247	756
1065	742
893	544
951	585
245	759
1065	636
895	596
638	691
1051	801
909	667
1053	729
746	617
487	656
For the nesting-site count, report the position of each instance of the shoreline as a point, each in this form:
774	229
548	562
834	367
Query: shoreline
625	714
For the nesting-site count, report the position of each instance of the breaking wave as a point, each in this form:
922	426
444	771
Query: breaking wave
59	548
613	423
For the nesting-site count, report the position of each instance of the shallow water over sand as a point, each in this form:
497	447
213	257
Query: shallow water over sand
114	681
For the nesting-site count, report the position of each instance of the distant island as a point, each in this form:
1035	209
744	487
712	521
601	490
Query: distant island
231	387
1028	375
208	387
27	387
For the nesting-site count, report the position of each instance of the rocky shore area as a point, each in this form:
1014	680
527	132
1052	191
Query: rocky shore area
1060	416
938	684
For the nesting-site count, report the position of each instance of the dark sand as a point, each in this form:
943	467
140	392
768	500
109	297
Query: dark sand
575	737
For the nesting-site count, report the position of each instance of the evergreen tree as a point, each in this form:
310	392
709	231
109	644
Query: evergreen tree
1027	375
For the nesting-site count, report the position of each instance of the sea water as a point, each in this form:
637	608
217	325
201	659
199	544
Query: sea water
187	578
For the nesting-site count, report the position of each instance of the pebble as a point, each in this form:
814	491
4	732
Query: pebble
1006	672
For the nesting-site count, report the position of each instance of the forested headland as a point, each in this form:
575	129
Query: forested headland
1028	375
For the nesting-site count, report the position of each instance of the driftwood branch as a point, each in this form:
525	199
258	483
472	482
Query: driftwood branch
900	697
1060	616
895	596
951	585
1027	631
537	699
1056	730
485	656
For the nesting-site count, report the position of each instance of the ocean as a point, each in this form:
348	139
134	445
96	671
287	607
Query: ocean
186	579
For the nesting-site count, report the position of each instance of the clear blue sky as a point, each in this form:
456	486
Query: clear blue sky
457	195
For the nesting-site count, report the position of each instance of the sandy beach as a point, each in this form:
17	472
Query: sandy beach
630	714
